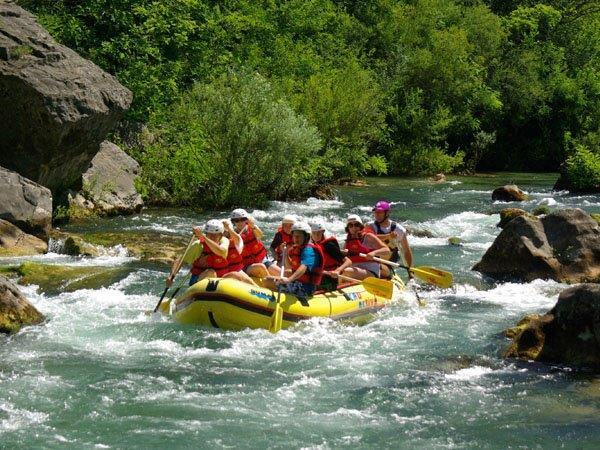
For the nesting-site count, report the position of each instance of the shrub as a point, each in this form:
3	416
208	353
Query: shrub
582	169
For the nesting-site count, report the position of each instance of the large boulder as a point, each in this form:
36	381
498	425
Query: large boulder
55	106
15	309
13	242
563	245
108	184
509	193
567	334
508	214
25	203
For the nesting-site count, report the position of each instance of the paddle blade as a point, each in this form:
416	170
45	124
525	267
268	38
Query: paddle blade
276	318
379	287
433	275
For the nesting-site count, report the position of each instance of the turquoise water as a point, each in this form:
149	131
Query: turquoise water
102	374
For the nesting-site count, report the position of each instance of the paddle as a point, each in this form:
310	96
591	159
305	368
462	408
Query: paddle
431	275
175	271
165	306
277	316
375	286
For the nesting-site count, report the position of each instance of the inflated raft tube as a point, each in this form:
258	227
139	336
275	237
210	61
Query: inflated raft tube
233	305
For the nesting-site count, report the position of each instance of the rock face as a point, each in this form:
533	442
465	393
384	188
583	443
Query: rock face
15	309
13	242
509	193
55	106
508	214
108	184
568	334
563	246
25	203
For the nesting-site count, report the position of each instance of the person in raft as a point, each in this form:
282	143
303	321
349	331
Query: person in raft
306	264
390	232
254	255
334	261
360	242
235	252
282	238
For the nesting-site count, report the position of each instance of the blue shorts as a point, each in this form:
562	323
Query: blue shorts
194	279
297	288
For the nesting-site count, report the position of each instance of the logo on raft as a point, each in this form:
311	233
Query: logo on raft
262	295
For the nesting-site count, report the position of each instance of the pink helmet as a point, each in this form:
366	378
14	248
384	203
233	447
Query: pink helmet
382	205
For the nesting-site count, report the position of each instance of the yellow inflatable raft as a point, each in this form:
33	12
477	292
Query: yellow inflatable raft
233	305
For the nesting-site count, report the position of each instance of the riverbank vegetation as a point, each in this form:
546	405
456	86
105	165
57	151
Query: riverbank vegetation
248	100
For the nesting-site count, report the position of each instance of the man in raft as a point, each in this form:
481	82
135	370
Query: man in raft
359	242
334	261
305	262
391	233
282	238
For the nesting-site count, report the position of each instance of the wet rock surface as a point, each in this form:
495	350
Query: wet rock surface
15	310
509	193
13	242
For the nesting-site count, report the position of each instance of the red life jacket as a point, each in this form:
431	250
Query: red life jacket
213	261
234	258
329	263
355	246
254	251
286	238
312	277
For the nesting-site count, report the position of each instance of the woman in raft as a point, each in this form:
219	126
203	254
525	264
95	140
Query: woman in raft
363	242
256	262
334	261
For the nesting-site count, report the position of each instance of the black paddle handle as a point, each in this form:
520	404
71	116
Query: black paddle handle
161	299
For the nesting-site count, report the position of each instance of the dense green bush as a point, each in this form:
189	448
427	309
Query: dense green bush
228	142
582	169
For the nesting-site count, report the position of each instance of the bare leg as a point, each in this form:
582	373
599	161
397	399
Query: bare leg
258	270
208	273
357	273
274	270
241	276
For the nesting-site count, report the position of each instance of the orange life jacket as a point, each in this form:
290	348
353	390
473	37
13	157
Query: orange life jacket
212	260
286	238
254	251
355	246
329	263
235	261
314	276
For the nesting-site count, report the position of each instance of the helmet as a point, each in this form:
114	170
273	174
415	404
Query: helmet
301	226
354	218
288	218
382	205
239	213
317	225
214	226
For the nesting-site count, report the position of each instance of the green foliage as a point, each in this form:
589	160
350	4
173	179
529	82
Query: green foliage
583	169
231	141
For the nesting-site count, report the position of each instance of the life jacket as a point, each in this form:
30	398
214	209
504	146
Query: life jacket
254	251
212	260
390	242
355	246
286	238
312	277
235	261
329	263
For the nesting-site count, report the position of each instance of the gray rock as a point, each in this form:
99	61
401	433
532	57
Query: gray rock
563	245
13	242
108	184
15	309
25	203
568	334
55	106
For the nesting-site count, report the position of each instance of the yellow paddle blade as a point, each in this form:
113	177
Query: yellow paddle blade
377	286
433	275
276	318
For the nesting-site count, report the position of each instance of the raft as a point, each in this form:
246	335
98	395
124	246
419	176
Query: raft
230	304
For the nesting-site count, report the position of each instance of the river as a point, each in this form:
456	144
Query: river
102	374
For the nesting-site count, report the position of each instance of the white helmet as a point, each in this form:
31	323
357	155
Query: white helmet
317	225
214	226
354	218
301	226
239	213
288	218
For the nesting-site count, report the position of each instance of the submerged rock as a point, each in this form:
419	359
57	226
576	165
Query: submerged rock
419	232
54	279
567	334
15	310
509	193
438	178
563	246
55	106
108	186
25	203
13	242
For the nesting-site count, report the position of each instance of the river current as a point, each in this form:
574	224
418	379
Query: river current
102	374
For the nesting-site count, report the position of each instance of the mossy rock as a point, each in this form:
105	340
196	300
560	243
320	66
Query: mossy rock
15	310
54	279
508	214
596	217
454	240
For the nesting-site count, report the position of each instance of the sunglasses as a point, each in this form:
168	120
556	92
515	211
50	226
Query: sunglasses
238	220
355	224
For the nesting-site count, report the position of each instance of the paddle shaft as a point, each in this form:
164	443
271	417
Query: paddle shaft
431	275
277	316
